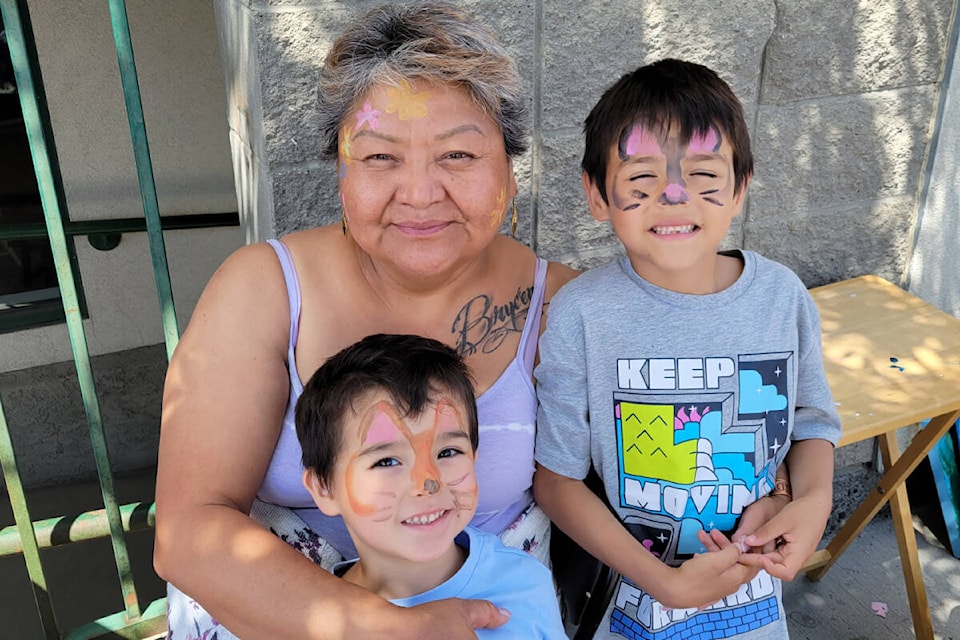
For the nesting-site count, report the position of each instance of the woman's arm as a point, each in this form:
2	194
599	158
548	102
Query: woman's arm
224	399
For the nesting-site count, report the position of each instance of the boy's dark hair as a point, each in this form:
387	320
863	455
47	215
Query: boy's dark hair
411	369
658	95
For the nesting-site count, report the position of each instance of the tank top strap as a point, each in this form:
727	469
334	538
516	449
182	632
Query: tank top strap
531	328
293	295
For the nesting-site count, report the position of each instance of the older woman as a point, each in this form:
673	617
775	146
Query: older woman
423	111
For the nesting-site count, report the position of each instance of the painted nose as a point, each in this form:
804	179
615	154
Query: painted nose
674	194
431	486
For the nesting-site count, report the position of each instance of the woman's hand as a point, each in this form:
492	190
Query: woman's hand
452	618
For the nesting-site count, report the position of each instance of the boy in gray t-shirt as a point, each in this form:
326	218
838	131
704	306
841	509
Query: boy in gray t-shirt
685	376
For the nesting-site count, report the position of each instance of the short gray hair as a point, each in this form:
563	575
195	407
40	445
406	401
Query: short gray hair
433	42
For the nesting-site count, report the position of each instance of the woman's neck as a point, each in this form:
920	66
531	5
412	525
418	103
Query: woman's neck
394	285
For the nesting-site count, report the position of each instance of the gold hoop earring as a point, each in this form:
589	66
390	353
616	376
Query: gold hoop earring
343	222
513	221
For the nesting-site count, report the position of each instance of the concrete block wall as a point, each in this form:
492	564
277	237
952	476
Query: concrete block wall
841	99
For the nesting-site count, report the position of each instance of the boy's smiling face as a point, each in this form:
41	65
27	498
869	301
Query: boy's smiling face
404	485
671	204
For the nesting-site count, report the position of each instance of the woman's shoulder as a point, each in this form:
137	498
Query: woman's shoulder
316	240
519	256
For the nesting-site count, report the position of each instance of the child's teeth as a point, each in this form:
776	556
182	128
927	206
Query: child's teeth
687	228
427	519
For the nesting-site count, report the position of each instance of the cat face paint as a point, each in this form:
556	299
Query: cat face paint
641	146
671	204
406	484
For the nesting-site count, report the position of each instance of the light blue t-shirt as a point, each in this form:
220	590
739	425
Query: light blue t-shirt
509	578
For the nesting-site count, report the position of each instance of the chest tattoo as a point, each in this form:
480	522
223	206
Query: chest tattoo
482	326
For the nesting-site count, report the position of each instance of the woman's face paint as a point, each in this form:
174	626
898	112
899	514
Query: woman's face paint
401	476
404	102
425	177
499	211
368	116
345	149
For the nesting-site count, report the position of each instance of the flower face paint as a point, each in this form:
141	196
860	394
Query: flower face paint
499	211
405	485
671	204
405	103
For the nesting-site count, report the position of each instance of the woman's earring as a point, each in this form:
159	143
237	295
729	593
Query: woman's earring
513	221
343	222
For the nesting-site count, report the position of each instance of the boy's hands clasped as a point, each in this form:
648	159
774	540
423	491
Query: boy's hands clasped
775	534
708	577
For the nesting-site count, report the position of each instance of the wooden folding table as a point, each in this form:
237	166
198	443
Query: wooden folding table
892	360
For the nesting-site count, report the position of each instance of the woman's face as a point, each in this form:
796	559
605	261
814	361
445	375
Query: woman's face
425	181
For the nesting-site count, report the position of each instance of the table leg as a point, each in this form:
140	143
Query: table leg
907	544
892	479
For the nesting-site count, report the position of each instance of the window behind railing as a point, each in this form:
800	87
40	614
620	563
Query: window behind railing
56	283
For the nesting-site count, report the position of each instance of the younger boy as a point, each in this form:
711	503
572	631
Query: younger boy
682	374
389	431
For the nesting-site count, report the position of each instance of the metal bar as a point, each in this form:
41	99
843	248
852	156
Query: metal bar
23	528
115	627
15	25
148	189
121	225
88	525
42	148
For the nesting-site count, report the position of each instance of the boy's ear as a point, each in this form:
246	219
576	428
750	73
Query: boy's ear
320	494
599	209
741	196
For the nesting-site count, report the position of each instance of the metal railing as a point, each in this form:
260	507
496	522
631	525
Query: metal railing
27	537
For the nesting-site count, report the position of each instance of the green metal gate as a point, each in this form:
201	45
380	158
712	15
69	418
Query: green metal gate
27	537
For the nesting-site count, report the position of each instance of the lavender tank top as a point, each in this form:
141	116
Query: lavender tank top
507	412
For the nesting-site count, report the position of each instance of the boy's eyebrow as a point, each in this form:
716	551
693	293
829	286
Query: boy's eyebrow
454	435
699	157
642	159
378	447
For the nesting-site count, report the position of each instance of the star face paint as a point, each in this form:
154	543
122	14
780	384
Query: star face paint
368	115
405	485
671	204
